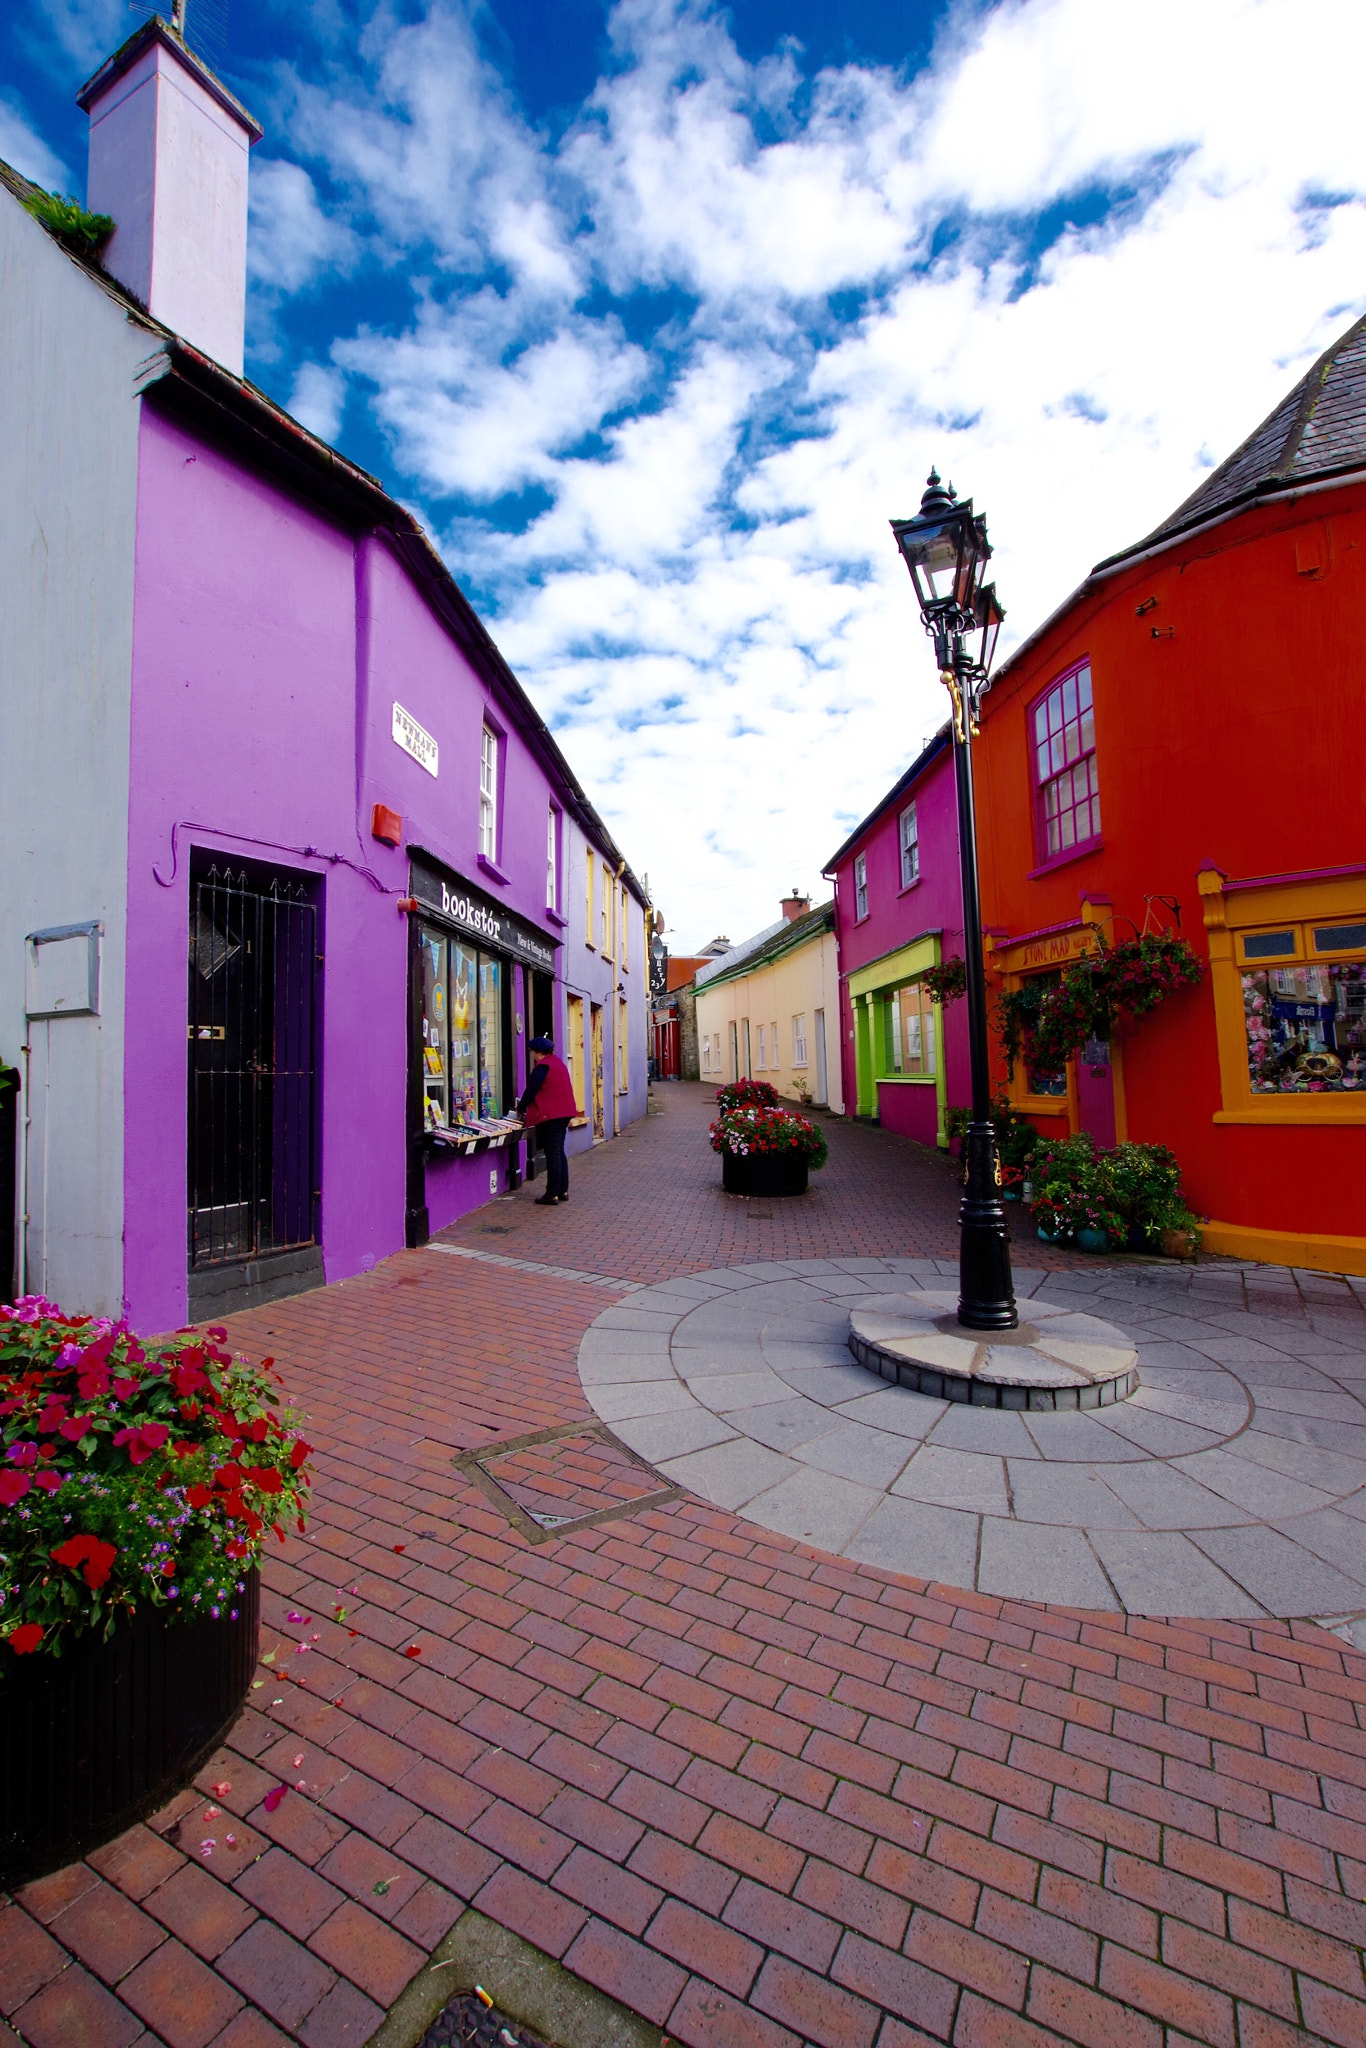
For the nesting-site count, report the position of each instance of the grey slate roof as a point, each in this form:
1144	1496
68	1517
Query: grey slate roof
1317	431
769	945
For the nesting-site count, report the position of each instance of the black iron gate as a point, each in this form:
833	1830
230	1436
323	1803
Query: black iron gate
252	1016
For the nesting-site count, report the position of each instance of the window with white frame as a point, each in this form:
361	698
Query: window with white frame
910	847
706	1052
552	859
775	1057
625	927
623	1047
605	910
799	1040
761	1062
588	917
860	885
488	795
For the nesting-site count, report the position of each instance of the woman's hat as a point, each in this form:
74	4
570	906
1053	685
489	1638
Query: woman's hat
542	1044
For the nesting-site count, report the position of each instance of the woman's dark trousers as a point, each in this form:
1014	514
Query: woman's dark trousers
556	1165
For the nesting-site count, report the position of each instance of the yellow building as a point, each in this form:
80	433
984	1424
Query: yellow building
769	1009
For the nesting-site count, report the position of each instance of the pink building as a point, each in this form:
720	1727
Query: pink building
898	912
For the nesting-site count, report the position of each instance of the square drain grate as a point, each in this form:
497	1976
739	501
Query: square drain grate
556	1480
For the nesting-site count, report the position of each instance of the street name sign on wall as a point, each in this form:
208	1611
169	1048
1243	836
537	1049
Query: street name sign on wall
414	739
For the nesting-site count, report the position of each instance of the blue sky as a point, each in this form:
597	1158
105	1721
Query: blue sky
656	312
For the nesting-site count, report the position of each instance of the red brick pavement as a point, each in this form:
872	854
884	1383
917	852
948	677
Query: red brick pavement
762	1796
649	1205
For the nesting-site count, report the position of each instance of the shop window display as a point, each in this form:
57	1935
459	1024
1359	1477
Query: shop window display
1306	1027
462	1032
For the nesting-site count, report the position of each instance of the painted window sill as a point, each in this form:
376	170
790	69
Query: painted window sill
1065	860
905	1080
489	868
1298	1109
553	917
907	887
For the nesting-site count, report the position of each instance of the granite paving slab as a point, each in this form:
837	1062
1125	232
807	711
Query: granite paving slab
1231	1482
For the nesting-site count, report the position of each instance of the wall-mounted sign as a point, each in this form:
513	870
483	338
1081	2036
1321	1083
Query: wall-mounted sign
414	739
453	900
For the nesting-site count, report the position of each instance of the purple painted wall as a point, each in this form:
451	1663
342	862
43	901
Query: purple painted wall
895	918
269	647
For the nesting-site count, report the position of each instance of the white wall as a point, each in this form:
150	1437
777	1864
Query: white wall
68	459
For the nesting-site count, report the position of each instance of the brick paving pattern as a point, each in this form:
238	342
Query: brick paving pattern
763	1796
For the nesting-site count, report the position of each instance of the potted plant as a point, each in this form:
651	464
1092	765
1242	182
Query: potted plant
766	1151
138	1484
744	1093
1046	1022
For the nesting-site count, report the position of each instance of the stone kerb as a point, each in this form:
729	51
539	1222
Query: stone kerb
1057	1359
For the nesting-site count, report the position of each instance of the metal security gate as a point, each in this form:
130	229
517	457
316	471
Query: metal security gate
252	1015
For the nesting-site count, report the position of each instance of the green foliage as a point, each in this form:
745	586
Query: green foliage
1131	1192
83	232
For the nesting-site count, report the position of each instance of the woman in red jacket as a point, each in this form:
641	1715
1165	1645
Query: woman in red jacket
547	1103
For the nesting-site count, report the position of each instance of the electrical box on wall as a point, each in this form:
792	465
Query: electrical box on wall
62	971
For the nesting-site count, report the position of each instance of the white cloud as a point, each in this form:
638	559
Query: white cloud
291	241
318	399
23	148
720	327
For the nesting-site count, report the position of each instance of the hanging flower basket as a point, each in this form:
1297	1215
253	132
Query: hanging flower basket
1047	1025
946	982
137	1487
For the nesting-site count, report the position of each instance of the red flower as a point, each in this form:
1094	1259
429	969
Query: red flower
75	1428
199	1496
273	1797
95	1558
50	1482
143	1441
26	1637
255	1432
299	1450
168	1568
266	1478
13	1487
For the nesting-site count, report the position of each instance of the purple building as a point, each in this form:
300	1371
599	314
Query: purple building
899	911
294	867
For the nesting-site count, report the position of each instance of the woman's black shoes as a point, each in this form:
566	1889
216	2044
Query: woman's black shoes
546	1201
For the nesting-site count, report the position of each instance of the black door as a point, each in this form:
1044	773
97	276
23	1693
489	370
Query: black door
252	1029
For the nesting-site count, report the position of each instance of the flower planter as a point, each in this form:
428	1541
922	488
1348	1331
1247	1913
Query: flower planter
1179	1244
1092	1240
764	1173
1048	1236
103	1735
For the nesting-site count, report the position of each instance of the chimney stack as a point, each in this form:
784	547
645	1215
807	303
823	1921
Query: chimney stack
796	905
168	163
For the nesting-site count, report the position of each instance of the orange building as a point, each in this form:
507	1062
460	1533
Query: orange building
1187	730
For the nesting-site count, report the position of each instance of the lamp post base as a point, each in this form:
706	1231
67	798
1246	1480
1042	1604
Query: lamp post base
986	1299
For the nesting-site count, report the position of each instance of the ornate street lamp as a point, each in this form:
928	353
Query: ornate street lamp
946	549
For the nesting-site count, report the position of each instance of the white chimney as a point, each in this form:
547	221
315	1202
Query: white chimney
168	164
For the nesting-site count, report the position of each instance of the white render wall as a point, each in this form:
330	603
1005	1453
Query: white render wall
802	982
68	455
168	163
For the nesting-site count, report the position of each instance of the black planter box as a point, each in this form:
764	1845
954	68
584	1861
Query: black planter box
764	1173
103	1735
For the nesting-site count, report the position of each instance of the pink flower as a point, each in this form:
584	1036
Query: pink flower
13	1487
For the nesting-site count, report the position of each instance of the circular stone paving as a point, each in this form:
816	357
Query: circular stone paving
1057	1359
1231	1482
